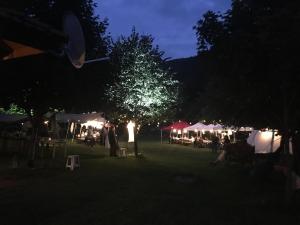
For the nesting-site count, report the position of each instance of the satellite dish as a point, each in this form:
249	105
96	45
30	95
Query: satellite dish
75	47
34	37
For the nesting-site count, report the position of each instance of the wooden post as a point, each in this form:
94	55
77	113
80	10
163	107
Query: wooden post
135	142
66	138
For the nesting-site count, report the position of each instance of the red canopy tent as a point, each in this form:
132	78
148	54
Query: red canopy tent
177	125
180	125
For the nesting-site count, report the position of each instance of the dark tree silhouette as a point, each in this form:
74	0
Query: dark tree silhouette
252	52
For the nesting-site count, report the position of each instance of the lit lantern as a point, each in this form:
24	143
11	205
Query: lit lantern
72	127
130	127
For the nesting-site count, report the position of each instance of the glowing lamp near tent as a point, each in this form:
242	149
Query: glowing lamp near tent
174	130
179	132
130	127
185	131
264	141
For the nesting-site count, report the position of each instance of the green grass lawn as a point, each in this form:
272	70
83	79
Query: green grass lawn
169	184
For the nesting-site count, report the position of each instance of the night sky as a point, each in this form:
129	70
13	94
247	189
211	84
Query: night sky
170	22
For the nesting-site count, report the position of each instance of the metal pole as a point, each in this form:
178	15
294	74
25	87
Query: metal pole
66	139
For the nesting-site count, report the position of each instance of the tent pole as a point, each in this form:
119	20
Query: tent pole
160	136
75	126
66	139
272	142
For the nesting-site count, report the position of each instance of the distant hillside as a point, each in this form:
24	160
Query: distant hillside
188	73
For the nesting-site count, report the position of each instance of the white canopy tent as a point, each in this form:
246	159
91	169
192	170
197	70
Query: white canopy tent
249	129
80	118
196	127
93	120
218	127
264	141
202	127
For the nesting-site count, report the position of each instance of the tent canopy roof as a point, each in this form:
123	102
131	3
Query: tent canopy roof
177	125
201	126
80	118
197	126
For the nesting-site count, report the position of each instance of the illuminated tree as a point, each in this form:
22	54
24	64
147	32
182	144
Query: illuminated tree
144	90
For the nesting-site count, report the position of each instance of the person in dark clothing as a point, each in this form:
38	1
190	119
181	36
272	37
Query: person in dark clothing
114	145
226	142
215	144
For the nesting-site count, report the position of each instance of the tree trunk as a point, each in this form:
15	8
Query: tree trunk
135	142
289	192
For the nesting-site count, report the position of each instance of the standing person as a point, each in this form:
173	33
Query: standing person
105	136
89	139
215	144
114	145
222	156
226	142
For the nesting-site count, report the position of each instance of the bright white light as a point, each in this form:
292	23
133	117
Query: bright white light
93	123
211	131
196	130
263	141
184	131
179	131
266	135
174	130
130	127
